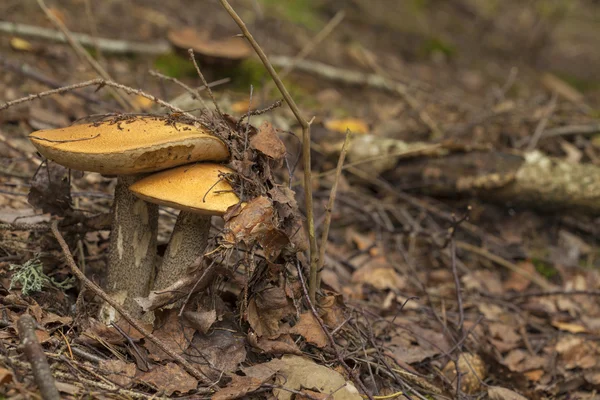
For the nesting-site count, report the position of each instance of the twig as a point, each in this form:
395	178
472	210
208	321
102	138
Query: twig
308	196
85	56
539	129
204	82
100	83
107	45
133	322
361	79
310	46
572	130
94	28
349	370
330	204
31	73
36	357
506	264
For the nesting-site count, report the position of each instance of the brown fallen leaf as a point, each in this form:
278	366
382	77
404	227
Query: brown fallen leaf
255	376
169	378
267	142
239	386
172	333
221	350
120	372
309	328
300	373
50	190
282	345
256	222
382	278
500	393
266	309
569	327
473	372
6	376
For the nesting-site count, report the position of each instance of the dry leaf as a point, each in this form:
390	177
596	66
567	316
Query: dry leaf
120	372
172	333
51	190
301	373
170	378
282	345
239	386
200	320
499	393
354	125
256	223
255	376
265	310
267	142
6	376
309	328
534	375
380	278
19	44
472	369
569	327
223	349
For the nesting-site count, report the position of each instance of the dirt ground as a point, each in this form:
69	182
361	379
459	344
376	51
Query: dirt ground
464	235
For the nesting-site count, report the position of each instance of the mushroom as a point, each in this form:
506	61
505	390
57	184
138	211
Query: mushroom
200	192
129	148
225	51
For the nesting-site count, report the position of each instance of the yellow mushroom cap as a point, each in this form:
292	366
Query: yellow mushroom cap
198	188
142	144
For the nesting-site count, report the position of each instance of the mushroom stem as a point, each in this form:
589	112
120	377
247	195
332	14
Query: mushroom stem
132	249
188	242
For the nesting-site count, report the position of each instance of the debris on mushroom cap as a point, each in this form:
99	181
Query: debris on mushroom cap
131	146
231	48
199	188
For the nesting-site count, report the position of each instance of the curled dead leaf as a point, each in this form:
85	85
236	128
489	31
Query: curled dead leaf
472	369
309	328
170	378
267	142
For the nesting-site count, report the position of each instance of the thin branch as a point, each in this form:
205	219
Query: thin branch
349	370
204	82
541	126
37	359
330	204
107	45
308	196
133	322
100	83
85	56
310	46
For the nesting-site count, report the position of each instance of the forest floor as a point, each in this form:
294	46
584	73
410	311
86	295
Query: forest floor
437	257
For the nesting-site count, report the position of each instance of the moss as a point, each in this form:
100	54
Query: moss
174	65
543	268
438	45
300	12
248	72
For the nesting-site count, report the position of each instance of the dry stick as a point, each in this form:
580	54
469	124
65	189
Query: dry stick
330	204
541	126
31	73
85	56
36	357
204	82
98	82
306	50
349	370
308	196
358	78
133	322
572	130
506	264
107	45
